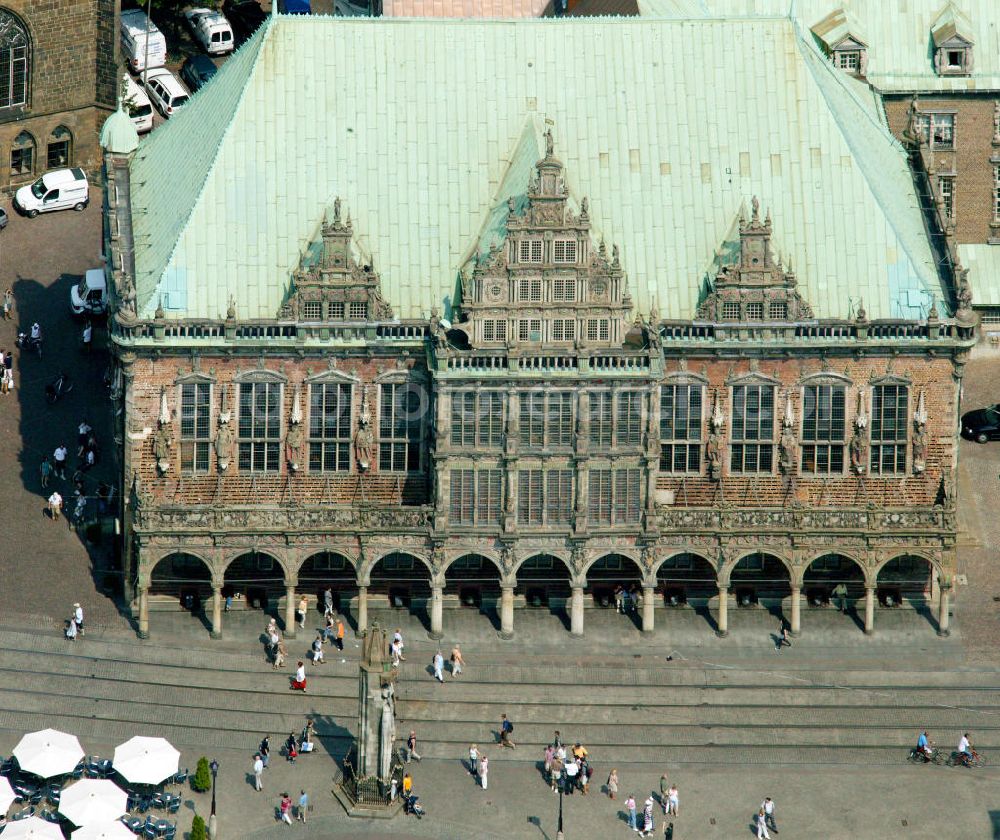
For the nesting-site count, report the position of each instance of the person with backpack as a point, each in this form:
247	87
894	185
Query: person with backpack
506	730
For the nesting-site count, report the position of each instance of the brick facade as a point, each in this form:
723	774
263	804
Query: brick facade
72	82
969	162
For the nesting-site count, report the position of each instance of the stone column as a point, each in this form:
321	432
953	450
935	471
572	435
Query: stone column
290	610
869	610
944	609
796	610
216	611
648	602
144	612
437	598
576	611
362	609
506	612
723	620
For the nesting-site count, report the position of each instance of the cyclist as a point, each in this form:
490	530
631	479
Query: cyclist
965	749
924	746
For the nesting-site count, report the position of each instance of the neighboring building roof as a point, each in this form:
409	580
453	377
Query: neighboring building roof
118	134
464	8
983	263
899	34
669	149
591	8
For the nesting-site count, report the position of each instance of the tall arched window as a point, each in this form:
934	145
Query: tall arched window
22	154
60	148
14	45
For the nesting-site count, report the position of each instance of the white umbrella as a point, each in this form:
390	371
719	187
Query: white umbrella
146	761
32	828
93	801
48	753
114	830
7	795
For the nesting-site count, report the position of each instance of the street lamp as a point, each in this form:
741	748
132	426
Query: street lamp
559	830
212	825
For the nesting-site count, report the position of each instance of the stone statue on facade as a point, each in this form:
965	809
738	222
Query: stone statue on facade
787	451
163	438
225	436
126	302
387	730
364	440
919	440
859	451
373	649
714	455
295	436
549	143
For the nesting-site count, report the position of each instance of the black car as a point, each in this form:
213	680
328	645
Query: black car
982	425
244	16
197	70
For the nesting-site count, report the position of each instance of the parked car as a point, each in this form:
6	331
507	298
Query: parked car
90	295
60	189
137	105
134	27
3	218
245	16
166	90
982	425
211	30
295	7
196	71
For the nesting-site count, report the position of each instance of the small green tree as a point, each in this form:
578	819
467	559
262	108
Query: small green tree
198	829
202	778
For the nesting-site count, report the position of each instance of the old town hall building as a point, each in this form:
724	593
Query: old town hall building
530	313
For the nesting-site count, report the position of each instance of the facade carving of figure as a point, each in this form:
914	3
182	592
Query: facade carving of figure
549	144
387	730
714	455
364	440
788	451
294	439
919	444
126	303
163	439
859	451
225	439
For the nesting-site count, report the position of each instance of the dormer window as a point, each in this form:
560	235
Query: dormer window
530	251
956	61
952	46
849	61
841	39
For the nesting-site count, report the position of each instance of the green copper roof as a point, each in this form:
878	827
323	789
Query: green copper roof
118	134
424	128
899	34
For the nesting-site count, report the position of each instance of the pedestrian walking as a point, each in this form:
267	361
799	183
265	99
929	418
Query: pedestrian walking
45	471
457	662
285	808
630	807
484	770
308	733
78	617
556	741
88	337
280	654
299	680
328	601
8	304
340	634
547	757
272	644
291	748
555	781
397	637
71	630
438	663
411	747
840	596
407	785
664	787
264	751
572	770
783	640
673	800
258	772
317	649
647	818
303	806
506	730
613	783
474	760
762	826
55	505
585	774
300	612
59	458
767	806
396	652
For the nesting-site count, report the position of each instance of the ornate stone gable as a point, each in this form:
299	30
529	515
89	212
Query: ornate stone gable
756	287
546	283
330	284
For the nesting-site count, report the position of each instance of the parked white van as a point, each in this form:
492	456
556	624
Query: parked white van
137	105
60	189
90	296
133	37
211	30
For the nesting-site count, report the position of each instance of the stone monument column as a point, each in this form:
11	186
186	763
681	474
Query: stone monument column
362	608
648	604
290	610
216	610
723	620
143	610
944	608
437	599
796	610
576	611
869	610
506	612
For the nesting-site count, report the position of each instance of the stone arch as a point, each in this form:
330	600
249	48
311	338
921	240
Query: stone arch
566	561
686	577
184	575
855	563
545	579
932	561
613	571
368	565
897	581
258	576
824	572
329	569
704	558
278	557
489	554
627	553
474	578
403	579
759	577
726	572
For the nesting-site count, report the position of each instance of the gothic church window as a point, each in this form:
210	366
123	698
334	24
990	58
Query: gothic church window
680	428
752	448
14	73
260	426
888	435
195	426
330	427
400	427
60	148
22	154
823	427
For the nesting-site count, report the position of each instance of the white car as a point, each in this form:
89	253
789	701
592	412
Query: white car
211	30
137	105
166	90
